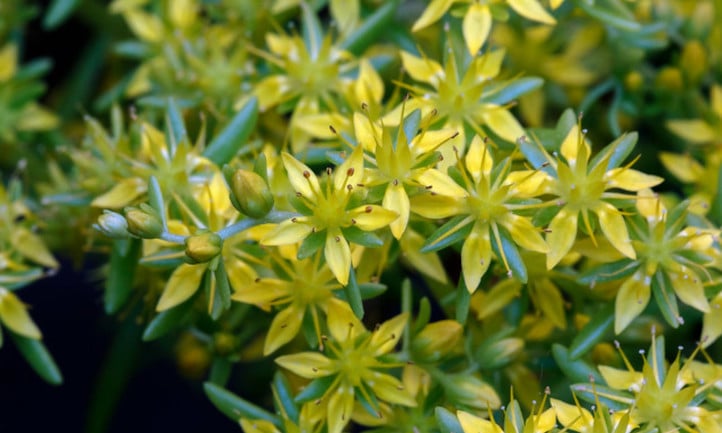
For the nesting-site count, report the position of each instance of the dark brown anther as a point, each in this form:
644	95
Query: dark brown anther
329	171
306	174
294	219
350	171
337	238
368	209
333	130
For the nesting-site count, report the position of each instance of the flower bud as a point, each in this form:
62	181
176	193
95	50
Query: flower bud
468	390
499	353
633	81
250	194
112	225
436	340
694	61
143	222
669	79
203	247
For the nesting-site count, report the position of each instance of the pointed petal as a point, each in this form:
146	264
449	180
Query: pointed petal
340	408
422	69
385	337
621	379
433	12
502	122
712	322
570	146
32	247
181	285
372	217
429	141
572	417
690	290
615	229
351	172
476	27
524	233
631	300
428	264
435	206
342	322
301	177
122	194
439	183
338	255
369	86
693	130
368	135
261	292
309	365
390	389
396	200
533	10
683	166
15	316
474	424
272	91
288	232
478	158
563	232
475	257
631	180
284	327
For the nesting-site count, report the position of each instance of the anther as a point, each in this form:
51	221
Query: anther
337	238
294	219
350	171
329	171
368	209
333	130
257	280
306	174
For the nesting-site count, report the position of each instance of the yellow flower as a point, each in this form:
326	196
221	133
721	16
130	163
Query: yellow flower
477	19
699	131
541	421
485	209
325	211
14	315
582	189
353	362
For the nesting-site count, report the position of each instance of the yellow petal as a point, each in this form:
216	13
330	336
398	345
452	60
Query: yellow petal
284	327
338	255
439	183
615	229
712	322
690	290
502	122
422	69
476	27
478	159
524	233
260	292
385	337
570	147
340	408
683	166
36	118
433	12
429	141
345	13
555	3
367	133
549	300
181	285
396	200
301	177
435	206
342	322
631	180
122	194
475	257
8	61
533	10
317	125
351	171
649	205
391	389
573	417
474	424
272	90
563	232
693	130
15	316
32	247
486	304
146	26
631	300
489	65
372	217
288	232
257	426
621	379
715	100
309	365
428	264
368	87
529	183
182	13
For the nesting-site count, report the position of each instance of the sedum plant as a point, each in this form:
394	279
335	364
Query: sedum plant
412	216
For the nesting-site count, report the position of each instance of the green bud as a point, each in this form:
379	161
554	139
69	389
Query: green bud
465	389
494	354
669	79
143	222
112	225
224	343
203	247
436	340
694	61
250	194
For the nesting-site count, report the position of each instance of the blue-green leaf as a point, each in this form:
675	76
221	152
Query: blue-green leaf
234	135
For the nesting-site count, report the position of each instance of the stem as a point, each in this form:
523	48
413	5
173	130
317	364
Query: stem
226	232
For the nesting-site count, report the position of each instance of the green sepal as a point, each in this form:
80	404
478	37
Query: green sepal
13	280
58	12
423	316
575	370
617	151
606	395
168	258
448	234
353	294
610	12
665	298
155	199
38	357
167	320
311	244
284	396
659	355
371	290
221	369
372	405
357	236
176	125
533	153
315	389
224	147
597	330
447	421
410	126
463	301
609	272
372	27
119	285
311	30
511	252
235	407
218	290
513	418
504	94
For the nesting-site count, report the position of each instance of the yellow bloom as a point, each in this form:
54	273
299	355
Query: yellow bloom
699	131
485	209
325	212
14	315
542	421
352	359
477	19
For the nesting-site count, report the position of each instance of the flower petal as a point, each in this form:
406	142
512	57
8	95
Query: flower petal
615	229
351	172
428	264
478	158
342	322
372	217
288	232
473	424
435	206
309	365
476	27
690	290
385	337
368	87
422	69
572	417
338	255
712	322
475	257
390	389
396	200
439	183
631	180
631	300
261	292
533	10
181	285
368	134
693	130
429	141
340	408
683	166
122	194
15	315
502	122
524	233
562	233
272	90
433	12
301	177
284	327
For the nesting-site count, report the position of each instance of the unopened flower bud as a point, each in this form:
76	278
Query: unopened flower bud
143	222
633	81
203	247
224	343
112	225
669	79
468	390
436	340
499	353
250	194
694	61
